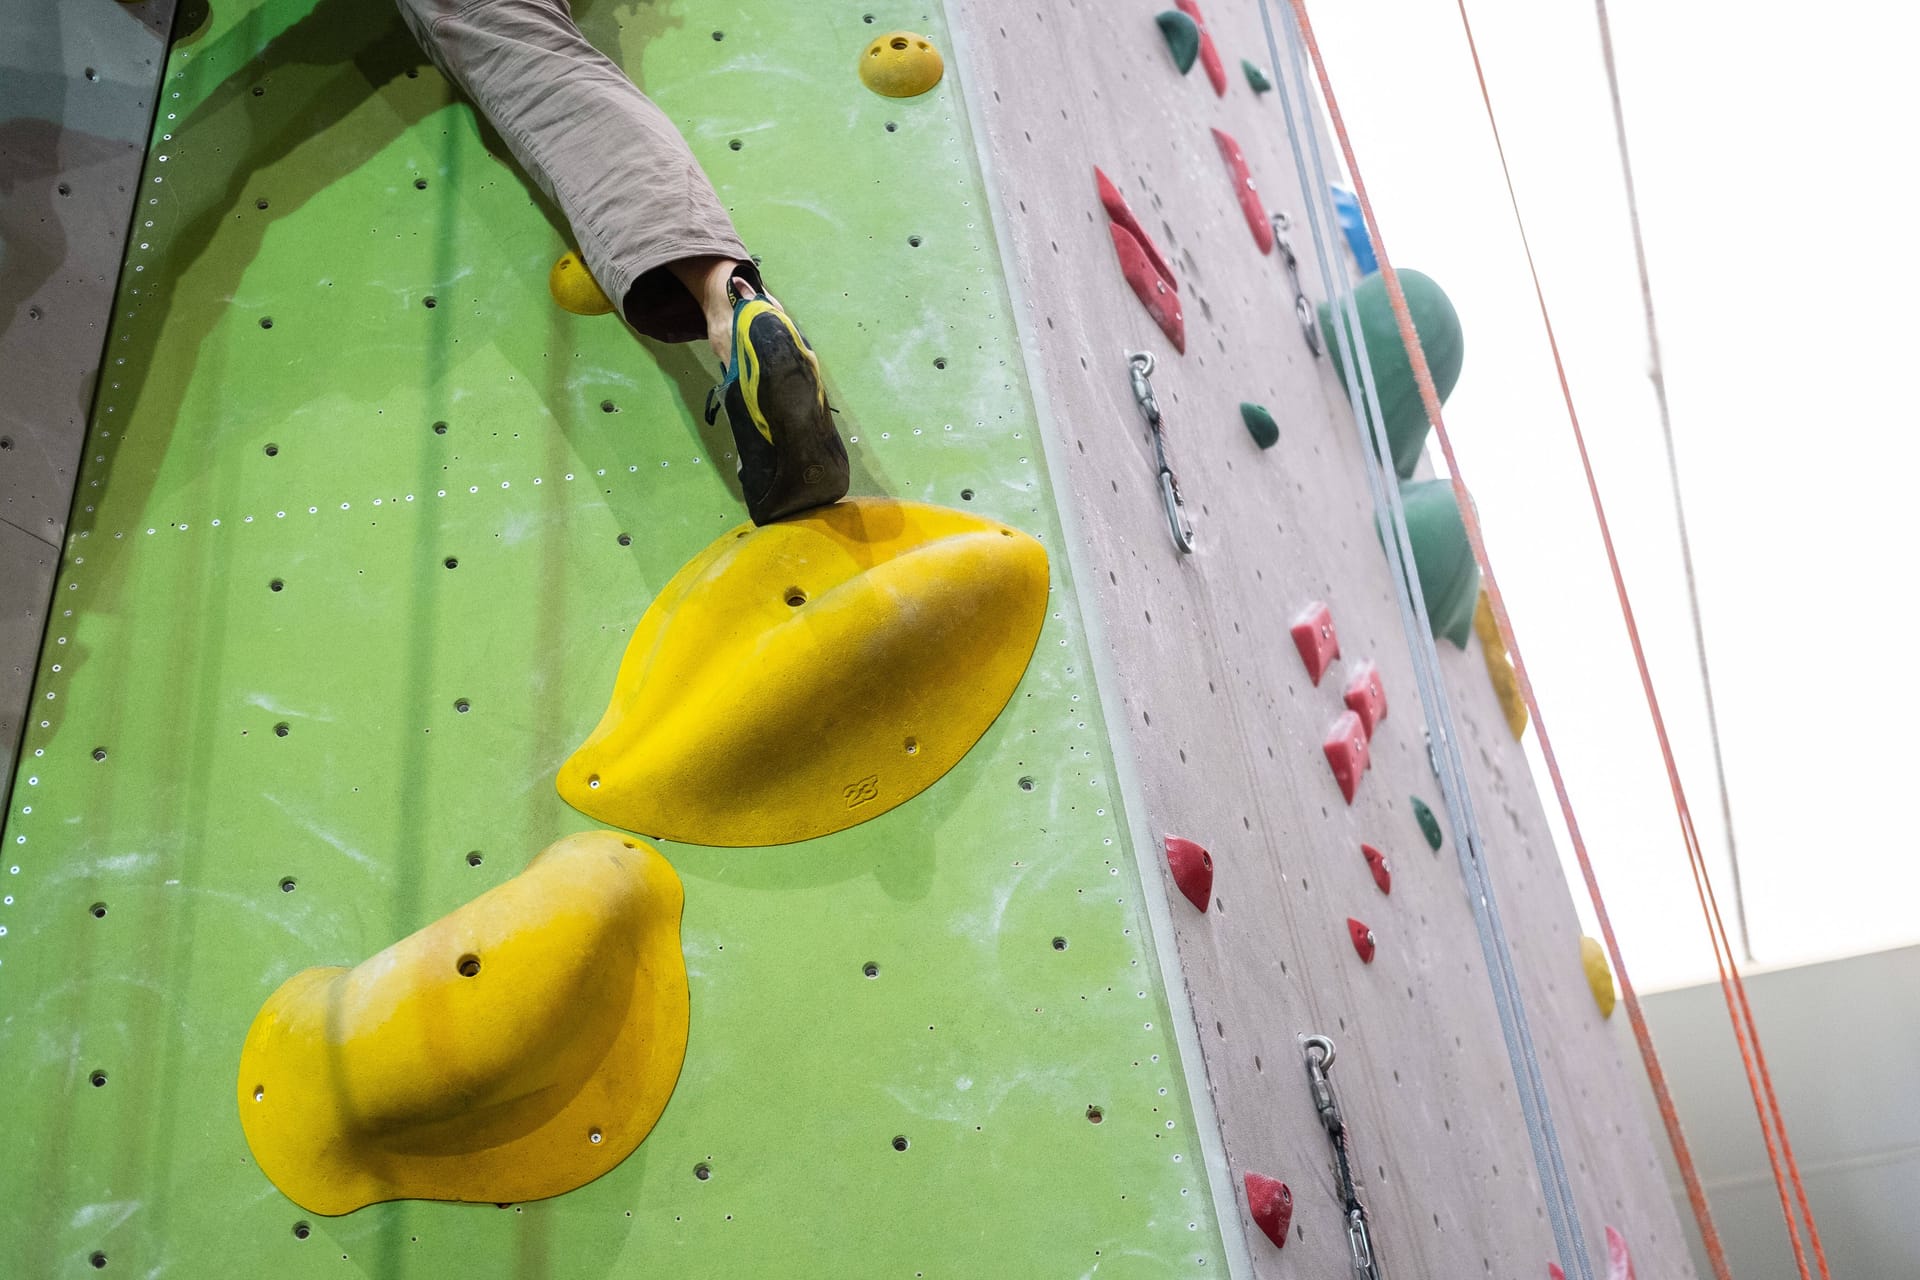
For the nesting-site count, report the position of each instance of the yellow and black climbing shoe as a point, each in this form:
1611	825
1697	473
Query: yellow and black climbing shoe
791	457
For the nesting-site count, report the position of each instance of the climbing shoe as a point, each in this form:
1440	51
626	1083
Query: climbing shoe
791	457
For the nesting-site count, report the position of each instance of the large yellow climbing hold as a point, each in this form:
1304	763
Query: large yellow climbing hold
799	678
901	64
1593	957
1506	685
574	287
517	1048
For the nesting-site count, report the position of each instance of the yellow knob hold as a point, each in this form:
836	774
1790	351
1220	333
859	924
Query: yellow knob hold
797	679
1506	685
901	64
1593	957
574	287
518	1048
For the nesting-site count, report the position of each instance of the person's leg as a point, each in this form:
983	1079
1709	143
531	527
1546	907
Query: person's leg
650	227
647	220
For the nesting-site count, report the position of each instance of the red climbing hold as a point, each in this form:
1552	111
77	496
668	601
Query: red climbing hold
1313	636
1209	56
1619	1264
1362	939
1244	188
1554	1272
1271	1204
1118	211
1366	697
1377	863
1155	291
1346	748
1192	868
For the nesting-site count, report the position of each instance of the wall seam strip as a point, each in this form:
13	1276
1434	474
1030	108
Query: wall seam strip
1127	790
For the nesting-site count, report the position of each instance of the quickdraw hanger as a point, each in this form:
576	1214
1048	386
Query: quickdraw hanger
1140	370
1319	1054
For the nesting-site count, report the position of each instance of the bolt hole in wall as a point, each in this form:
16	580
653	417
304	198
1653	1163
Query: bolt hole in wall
913	242
419	184
1059	944
795	597
288	884
462	705
625	539
98	1079
452	562
278	584
966	495
469	966
266	322
301	1231
97	1258
439	428
282	729
594	1136
1026	784
900	1142
703	1171
98	911
911	746
871	969
474	859
735	144
429	302
272	451
608	406
1095	1115
99	753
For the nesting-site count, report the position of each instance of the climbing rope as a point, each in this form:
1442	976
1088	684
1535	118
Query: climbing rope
1657	376
1773	1130
1319	1055
1530	1085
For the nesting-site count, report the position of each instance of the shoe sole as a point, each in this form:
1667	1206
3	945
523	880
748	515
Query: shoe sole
812	466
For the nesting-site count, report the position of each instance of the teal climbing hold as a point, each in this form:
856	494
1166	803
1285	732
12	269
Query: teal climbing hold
1437	324
1183	38
1256	77
1429	825
1260	424
1442	557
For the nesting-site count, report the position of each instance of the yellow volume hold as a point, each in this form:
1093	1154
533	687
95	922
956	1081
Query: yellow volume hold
518	1048
901	64
797	679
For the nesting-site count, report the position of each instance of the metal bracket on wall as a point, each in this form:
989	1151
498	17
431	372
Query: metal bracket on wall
1140	369
1309	323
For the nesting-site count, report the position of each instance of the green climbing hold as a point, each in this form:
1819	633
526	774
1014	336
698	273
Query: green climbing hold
1260	424
1429	825
1256	77
1183	38
1438	326
1443	558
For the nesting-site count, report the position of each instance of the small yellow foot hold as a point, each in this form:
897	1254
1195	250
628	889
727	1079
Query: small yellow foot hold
799	678
518	1048
1506	684
1593	958
574	287
901	64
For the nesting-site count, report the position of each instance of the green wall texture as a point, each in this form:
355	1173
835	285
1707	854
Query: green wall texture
245	755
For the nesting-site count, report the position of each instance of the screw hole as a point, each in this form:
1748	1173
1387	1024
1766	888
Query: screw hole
64	189
940	362
608	406
439	428
593	781
97	1258
277	585
266	322
1095	1115
912	746
261	203
98	910
900	1142
796	597
702	1171
272	451
259	1093
868	18
258	92
966	495
474	859
98	1079
419	184
719	35
625	539
287	885
469	966
735	145
429	302
914	241
1059	944
898	42
892	127
452	562
99	753
301	1231
871	969
1026	784
462	705
593	1136
282	729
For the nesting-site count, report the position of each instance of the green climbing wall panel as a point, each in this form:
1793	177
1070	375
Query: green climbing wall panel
364	525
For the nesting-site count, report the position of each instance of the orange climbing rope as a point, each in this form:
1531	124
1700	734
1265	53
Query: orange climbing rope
1746	1033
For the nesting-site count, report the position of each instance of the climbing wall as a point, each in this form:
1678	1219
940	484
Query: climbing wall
365	523
1221	722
